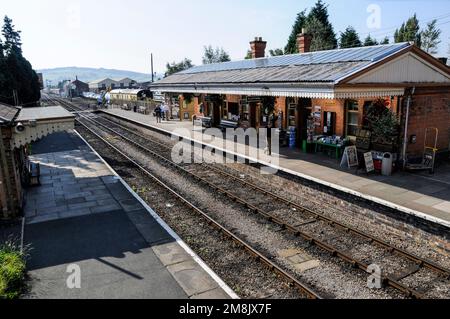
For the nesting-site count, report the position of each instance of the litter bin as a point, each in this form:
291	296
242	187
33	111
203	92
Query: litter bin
386	168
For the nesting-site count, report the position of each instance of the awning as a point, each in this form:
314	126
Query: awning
313	92
34	123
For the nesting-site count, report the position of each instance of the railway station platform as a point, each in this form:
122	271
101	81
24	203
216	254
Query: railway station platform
85	223
422	195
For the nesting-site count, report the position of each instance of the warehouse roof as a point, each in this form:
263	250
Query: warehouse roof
8	113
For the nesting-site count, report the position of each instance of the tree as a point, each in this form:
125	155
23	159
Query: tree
317	29
349	39
409	32
385	41
276	52
249	55
12	37
369	41
430	38
174	67
215	55
319	26
300	21
16	73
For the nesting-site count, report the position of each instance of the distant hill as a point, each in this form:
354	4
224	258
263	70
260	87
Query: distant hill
89	74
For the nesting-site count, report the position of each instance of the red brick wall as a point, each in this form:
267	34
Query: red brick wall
14	179
429	109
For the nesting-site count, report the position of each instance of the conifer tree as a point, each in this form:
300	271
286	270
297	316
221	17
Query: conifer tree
318	24
369	41
297	28
409	32
349	39
430	38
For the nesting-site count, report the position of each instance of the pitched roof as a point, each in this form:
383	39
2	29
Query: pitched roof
8	113
322	67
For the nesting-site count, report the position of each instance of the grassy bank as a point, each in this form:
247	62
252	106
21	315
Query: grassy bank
12	271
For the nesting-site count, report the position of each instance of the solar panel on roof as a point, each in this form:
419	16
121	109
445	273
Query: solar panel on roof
371	54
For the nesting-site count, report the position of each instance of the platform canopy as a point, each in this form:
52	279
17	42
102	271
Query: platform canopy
377	71
32	124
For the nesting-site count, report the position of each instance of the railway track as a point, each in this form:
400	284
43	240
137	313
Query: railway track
301	287
328	234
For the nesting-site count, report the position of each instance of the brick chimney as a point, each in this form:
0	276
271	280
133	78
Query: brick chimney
304	42
258	47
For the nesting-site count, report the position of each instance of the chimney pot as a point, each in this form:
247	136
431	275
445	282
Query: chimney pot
258	48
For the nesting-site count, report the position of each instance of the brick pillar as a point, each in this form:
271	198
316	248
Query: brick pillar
11	185
304	42
258	48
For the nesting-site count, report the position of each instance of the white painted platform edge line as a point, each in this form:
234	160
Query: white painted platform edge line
377	200
167	228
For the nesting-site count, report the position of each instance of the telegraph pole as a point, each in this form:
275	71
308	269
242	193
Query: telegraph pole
153	74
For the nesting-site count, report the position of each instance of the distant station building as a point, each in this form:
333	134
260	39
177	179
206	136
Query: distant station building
78	88
18	128
112	84
317	94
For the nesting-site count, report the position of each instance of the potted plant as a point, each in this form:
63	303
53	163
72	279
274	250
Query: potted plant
384	126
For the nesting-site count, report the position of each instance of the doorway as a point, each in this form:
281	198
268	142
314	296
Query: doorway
253	115
305	110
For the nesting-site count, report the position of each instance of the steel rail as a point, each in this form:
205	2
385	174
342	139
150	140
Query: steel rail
387	280
258	255
421	262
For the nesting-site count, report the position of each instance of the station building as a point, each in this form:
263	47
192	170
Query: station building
334	87
111	84
18	128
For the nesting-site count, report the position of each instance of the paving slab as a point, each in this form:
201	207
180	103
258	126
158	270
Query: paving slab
87	217
114	260
190	277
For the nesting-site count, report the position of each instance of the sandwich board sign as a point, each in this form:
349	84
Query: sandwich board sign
370	166
350	157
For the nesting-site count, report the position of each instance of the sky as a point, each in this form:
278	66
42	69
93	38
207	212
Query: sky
121	34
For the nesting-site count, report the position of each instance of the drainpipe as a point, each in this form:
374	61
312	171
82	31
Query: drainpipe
405	139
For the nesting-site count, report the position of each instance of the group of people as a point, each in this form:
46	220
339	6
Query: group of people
162	113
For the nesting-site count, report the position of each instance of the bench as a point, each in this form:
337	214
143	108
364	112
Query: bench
224	125
203	122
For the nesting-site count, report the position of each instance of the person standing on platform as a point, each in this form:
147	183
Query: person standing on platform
270	125
166	112
158	112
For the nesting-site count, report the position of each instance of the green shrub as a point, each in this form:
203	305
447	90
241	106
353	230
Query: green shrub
12	271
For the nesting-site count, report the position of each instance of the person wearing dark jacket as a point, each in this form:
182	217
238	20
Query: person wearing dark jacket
270	125
158	113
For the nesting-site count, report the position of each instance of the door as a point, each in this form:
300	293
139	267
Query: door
305	110
253	115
